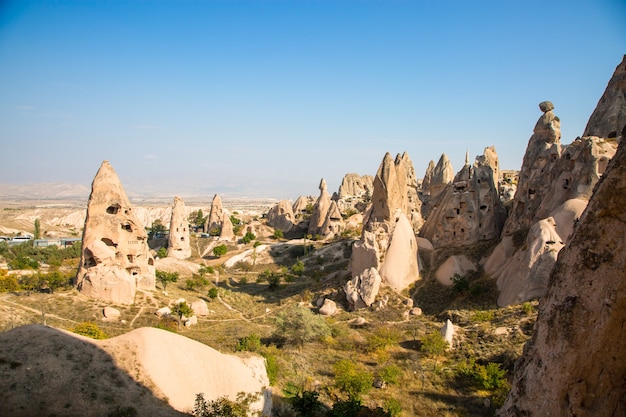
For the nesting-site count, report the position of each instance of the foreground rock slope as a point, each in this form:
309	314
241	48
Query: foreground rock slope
574	364
154	372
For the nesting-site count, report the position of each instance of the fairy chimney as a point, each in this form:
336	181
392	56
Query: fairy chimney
115	257
178	244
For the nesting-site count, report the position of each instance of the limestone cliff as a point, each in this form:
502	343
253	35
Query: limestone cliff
574	364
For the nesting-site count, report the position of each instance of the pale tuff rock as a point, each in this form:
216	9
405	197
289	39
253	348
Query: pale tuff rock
320	210
399	268
163	312
228	232
608	120
111	313
361	291
329	308
413	209
428	176
555	184
301	204
333	224
448	332
457	264
214	220
355	185
115	257
178	243
574	364
281	217
469	209
200	308
442	175
388	242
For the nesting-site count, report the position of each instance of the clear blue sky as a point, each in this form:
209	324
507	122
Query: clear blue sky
267	97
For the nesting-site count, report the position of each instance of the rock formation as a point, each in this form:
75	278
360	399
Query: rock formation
469	209
555	184
228	232
280	216
115	257
355	185
213	224
178	243
574	364
442	175
388	241
608	120
301	204
333	224
428	176
320	210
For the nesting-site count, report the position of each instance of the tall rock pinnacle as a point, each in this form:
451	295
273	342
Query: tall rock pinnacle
115	258
178	244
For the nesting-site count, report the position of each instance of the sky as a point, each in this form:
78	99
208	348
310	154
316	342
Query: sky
265	98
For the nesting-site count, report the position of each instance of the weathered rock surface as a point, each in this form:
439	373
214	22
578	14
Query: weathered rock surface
361	291
178	242
388	243
111	313
214	220
355	185
574	364
448	332
469	209
457	264
200	308
555	184
333	224
320	210
442	175
115	257
428	176
228	232
608	120
329	308
281	217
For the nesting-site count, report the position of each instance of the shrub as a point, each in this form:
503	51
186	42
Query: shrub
434	344
23	262
352	379
528	308
299	325
382	338
271	364
278	234
224	407
196	281
90	329
307	404
274	282
162	252
250	343
390	374
393	407
460	283
248	237
212	294
8	283
220	250
482	315
298	268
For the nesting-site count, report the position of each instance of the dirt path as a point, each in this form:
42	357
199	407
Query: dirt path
34	310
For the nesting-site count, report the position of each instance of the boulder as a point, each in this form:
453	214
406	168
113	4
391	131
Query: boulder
111	313
178	241
362	290
448	332
163	312
190	321
115	257
329	308
200	308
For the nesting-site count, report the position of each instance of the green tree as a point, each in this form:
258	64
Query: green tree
165	278
248	237
181	310
162	252
352	379
434	344
157	229
197	218
37	233
220	250
212	294
250	343
278	234
299	325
